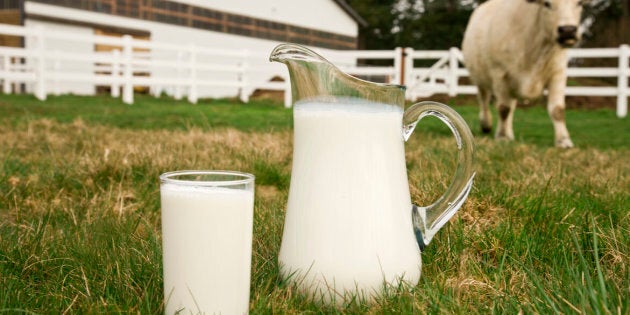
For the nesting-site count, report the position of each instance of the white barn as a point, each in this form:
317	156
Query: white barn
233	24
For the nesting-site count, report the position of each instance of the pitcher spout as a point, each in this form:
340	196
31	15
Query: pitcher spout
314	77
285	53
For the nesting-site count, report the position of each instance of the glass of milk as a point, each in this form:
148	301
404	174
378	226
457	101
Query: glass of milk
207	219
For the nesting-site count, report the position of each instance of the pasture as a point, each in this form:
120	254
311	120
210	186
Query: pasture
544	230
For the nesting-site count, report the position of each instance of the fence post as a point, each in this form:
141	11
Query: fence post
56	71
155	89
192	92
623	91
6	67
115	87
399	66
40	71
408	79
288	97
453	66
177	92
127	97
244	89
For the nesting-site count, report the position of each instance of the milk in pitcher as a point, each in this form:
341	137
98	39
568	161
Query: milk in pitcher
349	178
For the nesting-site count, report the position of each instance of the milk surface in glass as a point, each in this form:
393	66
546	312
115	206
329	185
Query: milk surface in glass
207	239
348	226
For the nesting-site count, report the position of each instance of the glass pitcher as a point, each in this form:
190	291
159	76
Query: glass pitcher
350	227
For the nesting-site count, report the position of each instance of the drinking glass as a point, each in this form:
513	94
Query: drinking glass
207	219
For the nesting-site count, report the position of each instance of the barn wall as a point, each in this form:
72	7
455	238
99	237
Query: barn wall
60	18
260	50
80	88
321	23
322	14
10	16
158	32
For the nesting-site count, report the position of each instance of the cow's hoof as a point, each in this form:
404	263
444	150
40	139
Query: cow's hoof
503	138
503	135
486	129
564	143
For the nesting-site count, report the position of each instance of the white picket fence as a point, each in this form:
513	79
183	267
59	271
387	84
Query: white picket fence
194	71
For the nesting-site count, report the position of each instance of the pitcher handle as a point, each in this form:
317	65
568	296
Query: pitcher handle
430	219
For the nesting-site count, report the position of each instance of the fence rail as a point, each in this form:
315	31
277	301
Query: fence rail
44	67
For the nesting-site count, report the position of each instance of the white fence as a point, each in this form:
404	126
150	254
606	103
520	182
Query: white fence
183	70
197	71
443	77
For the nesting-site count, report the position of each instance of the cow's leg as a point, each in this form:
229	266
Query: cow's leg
506	113
505	107
485	115
556	108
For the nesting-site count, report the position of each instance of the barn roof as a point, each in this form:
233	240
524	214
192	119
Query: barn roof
350	11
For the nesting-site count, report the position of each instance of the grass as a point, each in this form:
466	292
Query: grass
148	113
544	230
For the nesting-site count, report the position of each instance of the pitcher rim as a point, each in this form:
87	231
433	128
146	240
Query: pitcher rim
316	57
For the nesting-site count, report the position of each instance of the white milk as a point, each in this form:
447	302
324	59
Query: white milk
348	224
207	243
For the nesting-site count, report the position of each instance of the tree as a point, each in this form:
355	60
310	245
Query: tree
380	18
437	24
609	23
421	24
440	24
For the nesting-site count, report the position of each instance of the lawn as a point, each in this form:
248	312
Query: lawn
544	230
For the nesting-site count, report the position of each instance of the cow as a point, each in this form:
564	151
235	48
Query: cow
514	49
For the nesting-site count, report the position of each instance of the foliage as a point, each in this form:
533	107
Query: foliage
610	23
433	24
380	18
437	24
413	23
